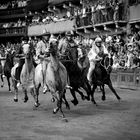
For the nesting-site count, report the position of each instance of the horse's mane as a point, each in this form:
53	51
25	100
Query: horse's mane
62	42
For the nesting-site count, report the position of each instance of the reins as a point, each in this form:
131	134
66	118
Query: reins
103	65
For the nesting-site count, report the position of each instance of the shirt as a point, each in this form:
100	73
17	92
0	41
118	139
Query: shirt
93	53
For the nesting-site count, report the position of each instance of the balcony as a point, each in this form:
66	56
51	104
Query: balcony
13	31
52	27
104	20
12	13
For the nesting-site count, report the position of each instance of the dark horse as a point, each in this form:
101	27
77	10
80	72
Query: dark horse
77	76
101	76
8	66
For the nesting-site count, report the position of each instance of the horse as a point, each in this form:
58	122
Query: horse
9	63
56	78
101	76
26	77
77	77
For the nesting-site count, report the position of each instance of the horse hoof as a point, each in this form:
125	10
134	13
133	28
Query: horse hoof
119	98
103	98
74	102
55	110
2	86
37	104
25	99
10	91
83	97
53	100
15	100
87	98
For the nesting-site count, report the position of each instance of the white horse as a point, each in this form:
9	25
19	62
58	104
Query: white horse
56	77
26	76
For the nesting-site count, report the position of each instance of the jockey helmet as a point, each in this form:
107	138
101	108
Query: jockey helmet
98	39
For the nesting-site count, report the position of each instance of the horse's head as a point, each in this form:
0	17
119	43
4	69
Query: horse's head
52	48
27	51
107	63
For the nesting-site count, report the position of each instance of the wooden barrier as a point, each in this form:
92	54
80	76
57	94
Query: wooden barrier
127	78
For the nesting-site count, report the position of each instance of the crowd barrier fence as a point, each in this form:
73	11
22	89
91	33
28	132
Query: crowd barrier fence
126	78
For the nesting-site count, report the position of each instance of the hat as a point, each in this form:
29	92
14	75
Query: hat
98	39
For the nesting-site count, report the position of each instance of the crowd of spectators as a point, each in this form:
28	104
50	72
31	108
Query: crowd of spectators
46	18
19	23
101	11
91	12
124	50
14	4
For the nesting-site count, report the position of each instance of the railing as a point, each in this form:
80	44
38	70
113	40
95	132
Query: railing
126	78
101	16
13	31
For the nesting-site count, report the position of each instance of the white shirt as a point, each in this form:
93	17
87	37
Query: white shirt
95	50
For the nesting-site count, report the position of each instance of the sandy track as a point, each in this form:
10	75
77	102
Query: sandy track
110	120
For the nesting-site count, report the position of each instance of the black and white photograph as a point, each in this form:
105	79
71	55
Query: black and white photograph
69	69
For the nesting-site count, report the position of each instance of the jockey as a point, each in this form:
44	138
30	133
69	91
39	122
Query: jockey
65	44
94	55
41	46
20	55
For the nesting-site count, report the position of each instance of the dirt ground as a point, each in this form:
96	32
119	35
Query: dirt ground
110	120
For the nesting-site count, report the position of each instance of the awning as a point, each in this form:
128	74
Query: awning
52	28
36	5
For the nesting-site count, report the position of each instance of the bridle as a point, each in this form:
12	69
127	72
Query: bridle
103	65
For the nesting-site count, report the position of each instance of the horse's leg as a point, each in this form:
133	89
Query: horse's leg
2	80
54	95
37	93
15	90
92	95
81	93
74	101
103	92
25	93
59	104
34	94
87	88
8	80
66	102
112	89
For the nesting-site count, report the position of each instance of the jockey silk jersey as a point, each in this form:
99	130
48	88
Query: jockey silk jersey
93	53
40	50
65	45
